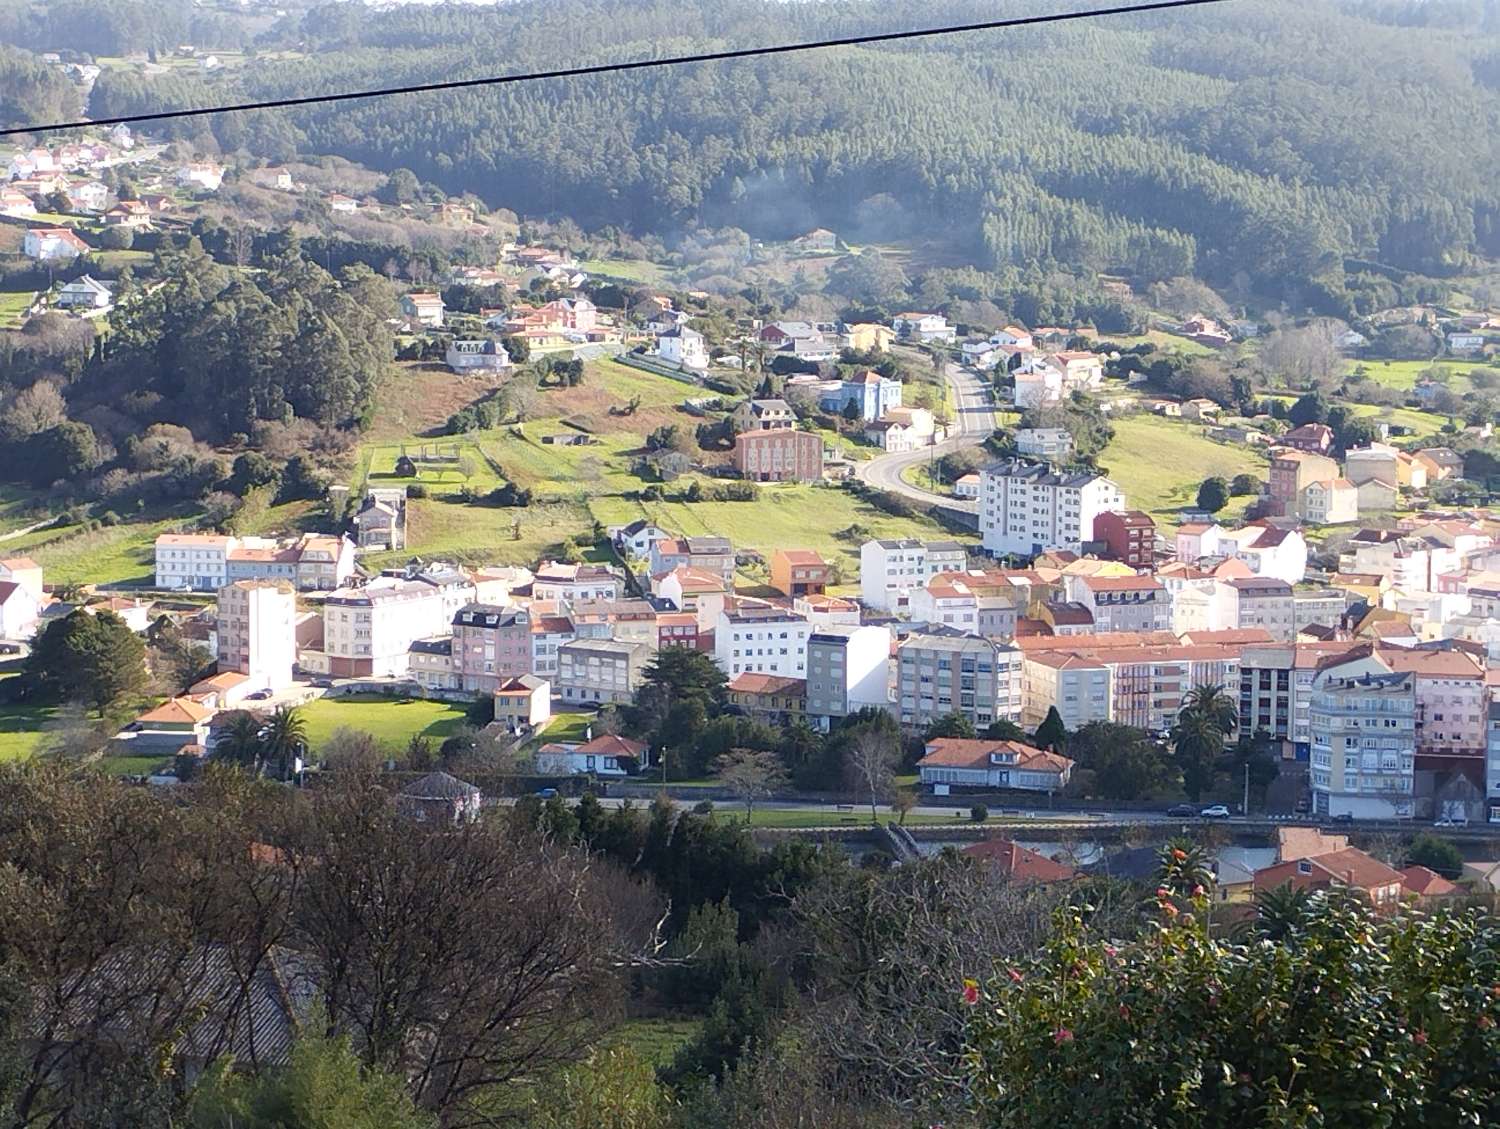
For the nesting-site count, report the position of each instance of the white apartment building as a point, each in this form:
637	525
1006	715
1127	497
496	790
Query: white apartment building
1122	603
1044	442
1363	726
762	640
1492	765
976	678
601	671
368	632
1080	686
1026	508
1264	602
197	561
557	580
848	668
257	632
890	571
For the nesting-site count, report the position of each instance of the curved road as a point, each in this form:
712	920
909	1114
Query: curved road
973	420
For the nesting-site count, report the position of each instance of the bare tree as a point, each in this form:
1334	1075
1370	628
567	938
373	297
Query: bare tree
751	774
870	766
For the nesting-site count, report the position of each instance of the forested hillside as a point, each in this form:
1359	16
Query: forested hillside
1304	150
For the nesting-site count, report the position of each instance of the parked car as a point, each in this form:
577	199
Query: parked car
546	793
1344	817
1451	821
1182	811
259	695
1215	811
323	683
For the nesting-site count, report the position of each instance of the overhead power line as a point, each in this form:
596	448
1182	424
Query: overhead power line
611	68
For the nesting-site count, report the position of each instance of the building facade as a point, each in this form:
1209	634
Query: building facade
256	632
1026	508
973	677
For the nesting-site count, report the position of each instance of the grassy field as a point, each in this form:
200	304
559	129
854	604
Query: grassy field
655	1040
22	730
567	727
108	554
14	303
1159	464
1405	374
394	721
1422	424
630	270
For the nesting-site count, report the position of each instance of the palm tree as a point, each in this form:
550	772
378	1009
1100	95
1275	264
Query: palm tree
1207	718
1281	911
285	738
241	742
1212	701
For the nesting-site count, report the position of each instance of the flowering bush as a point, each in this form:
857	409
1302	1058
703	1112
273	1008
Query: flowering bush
1354	1022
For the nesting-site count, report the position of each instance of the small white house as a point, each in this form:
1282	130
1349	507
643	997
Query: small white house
1465	343
637	538
683	346
610	755
967	486
202	175
53	244
90	196
423	308
477	356
344	205
85	293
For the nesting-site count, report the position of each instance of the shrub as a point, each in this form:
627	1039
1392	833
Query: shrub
979	813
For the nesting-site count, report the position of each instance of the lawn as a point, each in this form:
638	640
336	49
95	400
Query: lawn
394	721
1159	464
14	303
108	554
630	270
1404	374
1422	424
567	727
655	1040
18	507
22	730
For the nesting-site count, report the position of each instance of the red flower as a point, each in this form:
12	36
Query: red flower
1179	854
1169	909
1110	950
1197	891
1015	977
1419	1038
971	992
1162	892
1060	1036
1124	1011
1485	1023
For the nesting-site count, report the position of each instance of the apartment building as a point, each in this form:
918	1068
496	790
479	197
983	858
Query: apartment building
368	631
1122	603
769	698
710	554
891	570
1363	727
779	456
1265	690
1291	472
429	664
204	562
799	572
1264	602
761	639
600	672
550	631
1317	608
848	669
564	581
1129	537
631	620
984	603
1492	764
1026	508
196	561
1079	686
1451	700
491	645
938	675
256	633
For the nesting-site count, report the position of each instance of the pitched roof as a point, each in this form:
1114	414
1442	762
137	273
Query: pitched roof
439	786
1426	883
1018	862
613	745
800	556
1350	866
966	752
177	711
753	683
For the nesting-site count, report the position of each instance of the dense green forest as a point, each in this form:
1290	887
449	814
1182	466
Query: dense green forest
1303	151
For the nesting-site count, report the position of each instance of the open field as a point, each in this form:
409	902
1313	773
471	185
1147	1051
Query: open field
1404	375
19	507
14	303
655	1040
630	270
107	554
1159	464
1421	424
393	721
567	727
22	730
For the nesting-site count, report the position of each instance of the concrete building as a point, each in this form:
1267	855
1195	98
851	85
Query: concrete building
1291	472
848	669
491	645
1026	508
938	675
761	639
711	554
974	601
1053	444
1264	602
1492	764
1129	537
799	572
197	561
523	702
1122	603
430	664
769	698
256	634
368	631
1363	728
890	570
549	634
872	394
600	671
1333	501
779	456
567	582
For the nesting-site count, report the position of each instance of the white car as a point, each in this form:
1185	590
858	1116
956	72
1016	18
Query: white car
1215	811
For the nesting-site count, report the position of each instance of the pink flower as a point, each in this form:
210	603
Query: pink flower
1169	909
1419	1038
1163	892
1015	977
971	992
1060	1036
1197	891
1124	1011
1179	854
1111	951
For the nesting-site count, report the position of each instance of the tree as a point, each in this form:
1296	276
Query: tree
1207	718
1052	733
950	725
1310	407
1213	495
751	774
1003	730
1281	911
1120	761
614	1088
240	742
1245	1033
870	765
1244	484
92	658
285	740
1435	854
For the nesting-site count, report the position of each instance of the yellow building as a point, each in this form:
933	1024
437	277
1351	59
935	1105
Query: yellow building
868	336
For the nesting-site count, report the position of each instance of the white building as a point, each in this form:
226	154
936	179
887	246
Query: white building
1363	727
368	632
848	669
956	762
1492	765
1044	442
1026	508
477	356
938	675
53	244
762	639
1122	603
889	571
683	346
84	293
198	561
923	328
257	632
562	580
1037	387
204	176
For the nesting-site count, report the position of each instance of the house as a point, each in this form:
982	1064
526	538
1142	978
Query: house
637	538
770	698
20	610
1349	869
477	356
1314	438
1018	863
1449	463
567	581
902	429
1375	496
424	308
764	415
1200	409
1329	502
799	572
601	671
90	196
1291	471
1129	537
967	486
168	727
132	214
340	204
609	755
523	702
869	337
439	799
923	328
1025	507
818	240
273	176
1050	443
871	394
1465	344
380	521
779	456
15	203
200	176
85	293
957	764
1425	885
25	572
1036	387
1205	331
158	202
710	554
53	244
683	346
799	338
1123	603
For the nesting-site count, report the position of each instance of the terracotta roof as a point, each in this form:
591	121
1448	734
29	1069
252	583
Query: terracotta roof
1349	866
753	683
1016	861
964	752
613	745
1306	842
1434	663
14	563
177	711
1139	583
1100	641
800	556
1426	883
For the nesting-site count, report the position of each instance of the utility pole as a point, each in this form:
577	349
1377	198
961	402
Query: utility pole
1245	809
664	770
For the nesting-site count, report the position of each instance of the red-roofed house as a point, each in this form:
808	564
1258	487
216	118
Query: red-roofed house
1130	537
798	572
975	764
1350	868
609	755
1419	882
53	244
772	698
1018	863
1315	438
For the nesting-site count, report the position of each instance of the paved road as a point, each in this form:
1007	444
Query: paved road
973	421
